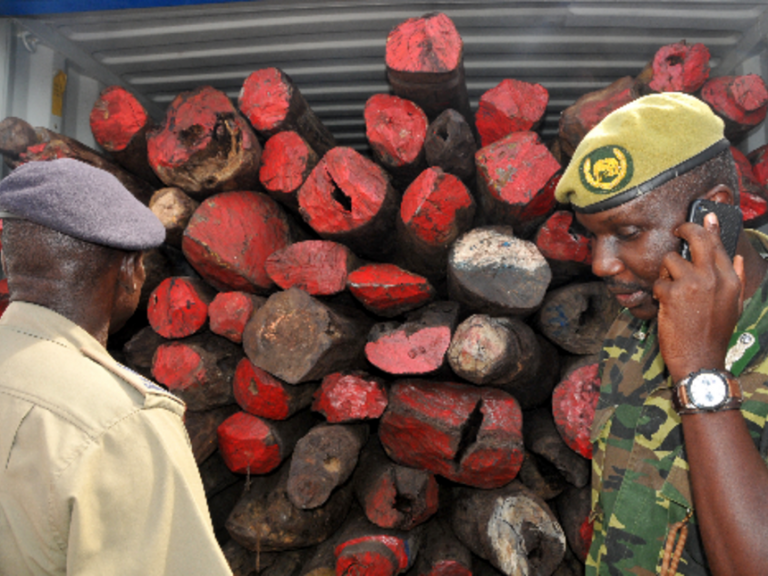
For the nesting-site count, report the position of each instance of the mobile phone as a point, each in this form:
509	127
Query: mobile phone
729	217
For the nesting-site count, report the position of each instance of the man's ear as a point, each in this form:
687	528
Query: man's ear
131	272
722	194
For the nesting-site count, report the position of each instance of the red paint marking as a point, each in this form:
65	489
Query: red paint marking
383	287
680	67
4	292
573	406
759	160
178	366
510	106
116	118
427	44
395	544
260	393
284	162
247	444
228	313
752	206
175	309
743	99
556	241
396	128
265	99
345	397
319	267
421	352
449	568
586	532
430	205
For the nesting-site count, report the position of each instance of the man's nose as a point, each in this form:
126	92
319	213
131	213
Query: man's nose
605	258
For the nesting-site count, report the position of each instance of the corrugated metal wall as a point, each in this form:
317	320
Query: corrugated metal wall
334	51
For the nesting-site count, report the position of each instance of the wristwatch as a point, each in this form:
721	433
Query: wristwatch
707	391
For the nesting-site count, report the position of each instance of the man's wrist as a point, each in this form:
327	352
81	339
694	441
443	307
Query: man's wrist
707	390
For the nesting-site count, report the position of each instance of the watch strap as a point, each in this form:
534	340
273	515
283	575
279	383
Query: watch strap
684	405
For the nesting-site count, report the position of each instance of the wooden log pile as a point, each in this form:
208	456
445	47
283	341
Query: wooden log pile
390	359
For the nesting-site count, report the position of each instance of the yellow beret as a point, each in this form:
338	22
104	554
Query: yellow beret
639	147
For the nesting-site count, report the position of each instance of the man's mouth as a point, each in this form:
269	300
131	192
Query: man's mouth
630	299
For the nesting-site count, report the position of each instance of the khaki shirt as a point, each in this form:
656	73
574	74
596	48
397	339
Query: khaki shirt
97	475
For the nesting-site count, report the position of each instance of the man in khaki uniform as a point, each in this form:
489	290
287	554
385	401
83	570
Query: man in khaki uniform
97	475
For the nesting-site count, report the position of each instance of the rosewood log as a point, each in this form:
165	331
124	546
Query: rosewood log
574	401
297	338
273	103
741	101
441	553
450	145
510	106
319	267
562	242
201	428
678	67
541	476
748	181
388	290
139	350
759	160
350	396
261	394
467	434
573	508
173	208
178	307
286	162
229	312
324	459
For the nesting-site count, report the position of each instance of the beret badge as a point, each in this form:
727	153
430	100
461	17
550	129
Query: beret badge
606	169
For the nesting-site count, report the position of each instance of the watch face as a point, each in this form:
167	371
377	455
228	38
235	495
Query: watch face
708	390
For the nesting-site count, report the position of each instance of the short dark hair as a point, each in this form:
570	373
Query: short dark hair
719	170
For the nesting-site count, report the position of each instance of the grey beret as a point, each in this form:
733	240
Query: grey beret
82	201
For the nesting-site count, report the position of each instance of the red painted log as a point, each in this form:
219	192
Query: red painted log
512	178
350	396
543	439
678	67
20	143
418	345
236	260
119	124
204	145
436	209
450	145
510	106
198	369
587	112
754	210
425	64
510	527
492	271
441	553
393	496
297	338
139	350
286	162
5	298
201	428
388	290
576	317
466	434
178	307
349	198
573	509
759	160
229	312
748	181
264	519
741	101
273	103
173	208
261	394
323	460
396	129
567	250
253	445
573	403
319	267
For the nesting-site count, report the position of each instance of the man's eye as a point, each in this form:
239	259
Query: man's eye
625	235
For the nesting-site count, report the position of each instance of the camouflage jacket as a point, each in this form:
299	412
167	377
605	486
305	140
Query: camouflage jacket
640	483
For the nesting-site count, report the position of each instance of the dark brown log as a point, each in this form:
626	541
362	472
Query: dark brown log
574	401
322	561
396	129
467	434
350	396
450	145
204	145
253	445
201	428
425	64
416	346
178	307
264	518
348	198
298	338
221	504
441	553
510	106
319	267
748	181
288	563
215	475
759	160
513	175
570	566
491	270
286	162
240	560
160	263
678	67
511	527
261	394
273	103
388	290
173	208
236	260
542	438
140	349
436	209
393	496
741	101
198	369
119	124
587	112
541	476
576	317
573	508
20	143
565	247
322	461
229	312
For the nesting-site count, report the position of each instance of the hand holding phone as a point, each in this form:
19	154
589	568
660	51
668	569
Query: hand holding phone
729	218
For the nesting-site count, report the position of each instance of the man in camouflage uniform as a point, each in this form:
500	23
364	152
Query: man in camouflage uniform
663	458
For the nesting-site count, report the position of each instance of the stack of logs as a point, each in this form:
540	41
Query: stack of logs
389	361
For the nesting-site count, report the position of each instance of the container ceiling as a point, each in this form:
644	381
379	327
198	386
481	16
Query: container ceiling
334	51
